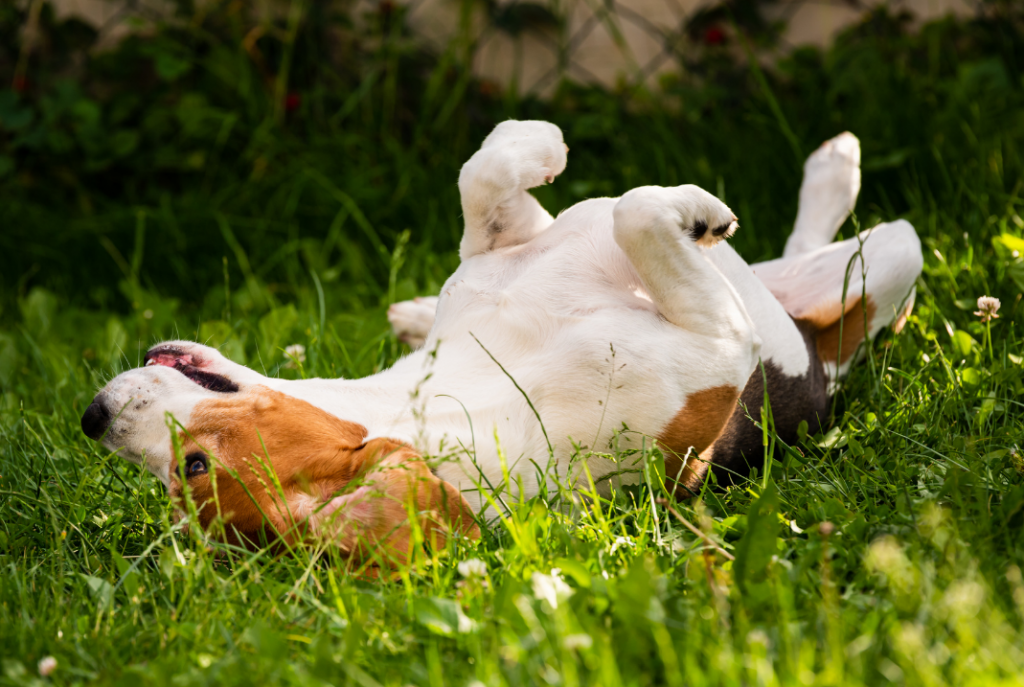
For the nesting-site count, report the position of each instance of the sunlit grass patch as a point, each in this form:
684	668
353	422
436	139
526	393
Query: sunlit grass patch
887	549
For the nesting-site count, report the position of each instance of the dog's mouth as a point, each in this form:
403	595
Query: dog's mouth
190	366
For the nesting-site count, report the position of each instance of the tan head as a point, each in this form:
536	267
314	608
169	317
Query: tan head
270	464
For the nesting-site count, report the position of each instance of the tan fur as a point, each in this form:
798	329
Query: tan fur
696	425
313	460
852	334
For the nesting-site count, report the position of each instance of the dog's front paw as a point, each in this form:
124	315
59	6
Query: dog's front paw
702	217
533	152
411	320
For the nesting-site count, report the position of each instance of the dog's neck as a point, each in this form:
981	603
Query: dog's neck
400	402
428	407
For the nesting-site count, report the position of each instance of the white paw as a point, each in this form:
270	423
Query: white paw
832	173
411	320
701	216
533	151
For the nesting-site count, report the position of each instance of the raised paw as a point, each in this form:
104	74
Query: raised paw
529	153
411	320
827	195
701	216
834	170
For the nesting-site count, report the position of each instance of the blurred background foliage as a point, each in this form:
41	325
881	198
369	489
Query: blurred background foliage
311	151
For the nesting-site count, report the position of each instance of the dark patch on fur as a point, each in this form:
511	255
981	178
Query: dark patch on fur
495	227
793	399
698	230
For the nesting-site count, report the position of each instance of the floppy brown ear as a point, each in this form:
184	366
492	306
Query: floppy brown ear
397	491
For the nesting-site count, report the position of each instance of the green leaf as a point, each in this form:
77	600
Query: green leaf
574	569
440	616
970	376
963	343
38	310
755	550
276	329
170	67
101	590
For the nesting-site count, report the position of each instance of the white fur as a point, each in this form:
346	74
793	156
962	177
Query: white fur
609	316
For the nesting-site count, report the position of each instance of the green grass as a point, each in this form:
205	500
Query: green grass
887	550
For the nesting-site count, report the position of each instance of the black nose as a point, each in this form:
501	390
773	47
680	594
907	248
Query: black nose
95	420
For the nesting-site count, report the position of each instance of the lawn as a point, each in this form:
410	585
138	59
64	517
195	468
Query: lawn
178	187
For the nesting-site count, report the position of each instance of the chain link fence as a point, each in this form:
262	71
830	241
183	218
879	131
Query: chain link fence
530	45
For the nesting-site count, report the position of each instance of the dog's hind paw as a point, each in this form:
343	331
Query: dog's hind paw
521	154
411	320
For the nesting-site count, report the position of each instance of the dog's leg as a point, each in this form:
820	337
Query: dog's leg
411	320
880	288
662	230
664	233
497	208
827	195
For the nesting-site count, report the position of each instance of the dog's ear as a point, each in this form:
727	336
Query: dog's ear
395	496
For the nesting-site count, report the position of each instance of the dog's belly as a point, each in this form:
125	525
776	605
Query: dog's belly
567	317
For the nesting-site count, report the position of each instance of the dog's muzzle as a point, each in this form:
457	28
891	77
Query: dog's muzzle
96	419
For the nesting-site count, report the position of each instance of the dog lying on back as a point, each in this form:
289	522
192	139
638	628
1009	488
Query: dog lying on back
553	334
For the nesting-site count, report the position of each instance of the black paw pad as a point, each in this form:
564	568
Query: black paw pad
698	230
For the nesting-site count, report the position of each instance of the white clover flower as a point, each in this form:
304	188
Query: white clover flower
988	306
551	588
296	354
474	567
577	641
47	665
621	541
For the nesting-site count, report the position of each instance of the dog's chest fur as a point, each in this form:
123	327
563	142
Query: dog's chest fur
568	318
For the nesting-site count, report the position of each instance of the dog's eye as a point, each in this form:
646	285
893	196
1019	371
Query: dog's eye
195	464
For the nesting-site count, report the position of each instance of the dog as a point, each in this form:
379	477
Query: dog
623	322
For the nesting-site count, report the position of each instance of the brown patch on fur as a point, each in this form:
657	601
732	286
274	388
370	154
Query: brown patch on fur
852	335
316	478
696	426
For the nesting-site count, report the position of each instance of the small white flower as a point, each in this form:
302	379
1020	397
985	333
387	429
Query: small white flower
621	541
296	354
551	588
576	642
988	306
47	665
474	567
